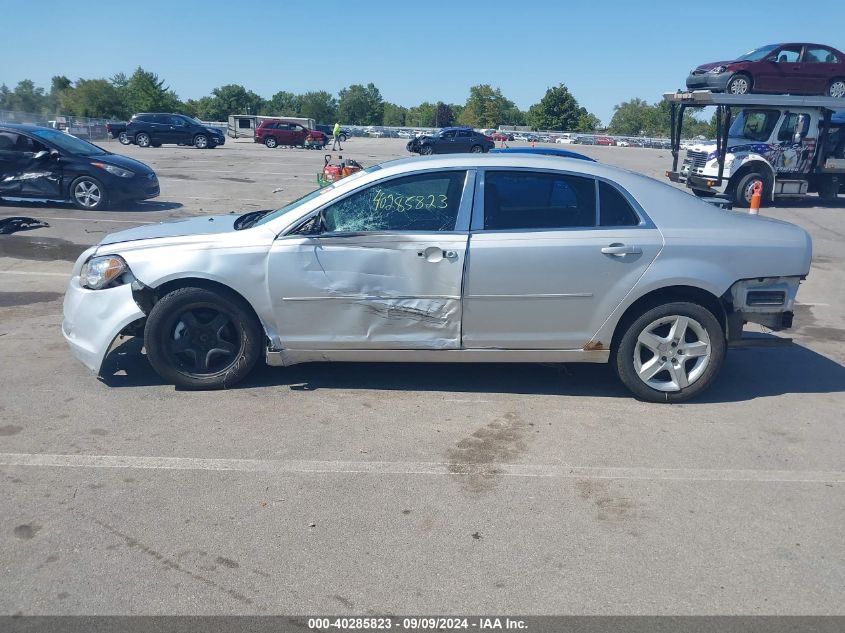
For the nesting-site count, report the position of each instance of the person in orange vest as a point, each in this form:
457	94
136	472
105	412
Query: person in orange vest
336	135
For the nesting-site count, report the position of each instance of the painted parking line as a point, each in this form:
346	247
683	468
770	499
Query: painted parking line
34	273
50	217
414	468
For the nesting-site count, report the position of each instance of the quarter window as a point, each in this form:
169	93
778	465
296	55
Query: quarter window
532	200
614	209
424	202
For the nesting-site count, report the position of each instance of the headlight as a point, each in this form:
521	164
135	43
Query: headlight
100	272
114	169
718	70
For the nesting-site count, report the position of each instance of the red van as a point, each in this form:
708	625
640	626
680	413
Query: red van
276	132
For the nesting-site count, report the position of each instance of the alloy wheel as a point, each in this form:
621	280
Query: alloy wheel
143	140
201	141
87	193
738	86
837	89
672	353
748	192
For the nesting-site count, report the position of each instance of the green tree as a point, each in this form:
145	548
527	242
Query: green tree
634	117
231	99
282	104
486	107
27	98
394	115
93	98
319	105
59	85
443	115
422	115
145	92
360	105
587	122
559	110
5	98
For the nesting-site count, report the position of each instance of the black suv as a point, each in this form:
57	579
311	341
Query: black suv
451	140
155	128
328	130
43	163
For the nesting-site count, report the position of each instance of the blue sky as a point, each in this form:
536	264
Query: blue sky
605	51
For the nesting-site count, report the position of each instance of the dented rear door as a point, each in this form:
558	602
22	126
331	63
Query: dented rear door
385	273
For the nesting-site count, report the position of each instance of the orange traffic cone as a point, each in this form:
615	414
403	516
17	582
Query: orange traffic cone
756	197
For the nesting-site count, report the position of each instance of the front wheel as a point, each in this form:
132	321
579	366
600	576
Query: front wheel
426	150
88	193
202	339
671	353
739	85
200	141
836	89
744	189
270	142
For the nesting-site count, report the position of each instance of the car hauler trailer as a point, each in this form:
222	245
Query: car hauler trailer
792	145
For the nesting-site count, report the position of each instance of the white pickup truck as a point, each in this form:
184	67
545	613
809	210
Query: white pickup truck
793	146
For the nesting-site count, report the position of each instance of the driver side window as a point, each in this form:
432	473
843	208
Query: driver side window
424	202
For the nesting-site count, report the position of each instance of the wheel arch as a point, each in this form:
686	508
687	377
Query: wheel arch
147	296
760	165
668	294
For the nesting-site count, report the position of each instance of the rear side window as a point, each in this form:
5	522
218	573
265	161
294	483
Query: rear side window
816	55
614	209
533	200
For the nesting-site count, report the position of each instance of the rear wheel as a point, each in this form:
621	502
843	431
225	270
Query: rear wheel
270	142
671	353
124	139
739	84
829	189
202	339
836	88
342	138
142	139
476	149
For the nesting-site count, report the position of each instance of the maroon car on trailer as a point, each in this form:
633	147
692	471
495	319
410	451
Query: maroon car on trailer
796	68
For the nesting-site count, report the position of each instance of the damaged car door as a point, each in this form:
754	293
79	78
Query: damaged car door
27	167
380	268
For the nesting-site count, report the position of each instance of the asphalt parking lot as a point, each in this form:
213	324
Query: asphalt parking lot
407	489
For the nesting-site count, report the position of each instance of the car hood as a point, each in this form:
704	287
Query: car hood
123	161
214	131
711	65
204	225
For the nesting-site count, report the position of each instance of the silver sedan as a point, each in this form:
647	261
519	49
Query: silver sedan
509	258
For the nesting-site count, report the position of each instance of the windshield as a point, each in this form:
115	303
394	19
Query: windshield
69	143
310	196
757	54
754	125
192	119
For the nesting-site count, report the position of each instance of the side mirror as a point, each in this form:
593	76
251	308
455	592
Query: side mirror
772	58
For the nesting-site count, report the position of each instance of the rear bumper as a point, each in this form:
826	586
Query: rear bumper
94	318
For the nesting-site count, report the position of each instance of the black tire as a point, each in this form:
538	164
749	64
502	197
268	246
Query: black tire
426	150
88	193
223	348
836	88
698	370
342	138
741	193
271	142
476	149
200	141
739	84
124	139
142	139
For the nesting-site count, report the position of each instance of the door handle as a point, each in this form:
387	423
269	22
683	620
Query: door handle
434	254
620	250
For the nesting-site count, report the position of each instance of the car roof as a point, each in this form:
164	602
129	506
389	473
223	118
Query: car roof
547	151
24	127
